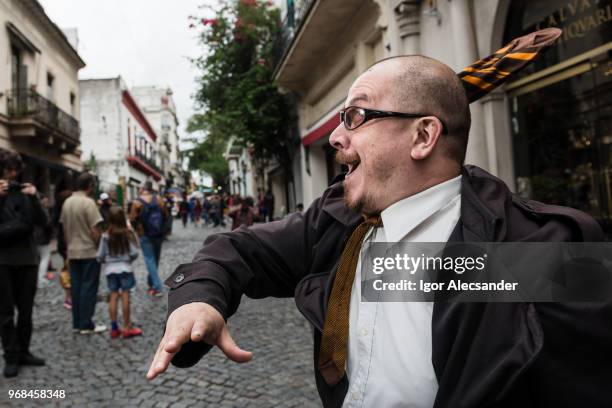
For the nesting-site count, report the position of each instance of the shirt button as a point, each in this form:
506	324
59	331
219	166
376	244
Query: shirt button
179	278
364	332
355	396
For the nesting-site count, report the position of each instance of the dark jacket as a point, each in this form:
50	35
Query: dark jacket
27	208
483	354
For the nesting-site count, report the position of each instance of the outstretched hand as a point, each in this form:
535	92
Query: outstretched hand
196	322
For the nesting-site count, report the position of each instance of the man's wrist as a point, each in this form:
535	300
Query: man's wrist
203	291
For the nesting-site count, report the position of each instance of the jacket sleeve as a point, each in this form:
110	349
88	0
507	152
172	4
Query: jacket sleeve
260	261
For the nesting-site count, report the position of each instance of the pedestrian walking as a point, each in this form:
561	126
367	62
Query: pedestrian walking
269	205
81	222
197	212
242	213
42	237
261	204
192	209
169	201
148	215
216	214
64	188
105	206
184	210
116	252
206	210
20	212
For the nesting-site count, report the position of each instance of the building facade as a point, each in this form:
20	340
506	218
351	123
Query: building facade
242	178
118	142
39	94
160	110
546	133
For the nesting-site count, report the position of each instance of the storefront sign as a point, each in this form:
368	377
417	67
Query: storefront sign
578	18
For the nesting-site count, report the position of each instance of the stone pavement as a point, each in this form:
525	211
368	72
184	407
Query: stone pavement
97	371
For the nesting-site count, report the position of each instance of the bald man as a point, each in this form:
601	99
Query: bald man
403	135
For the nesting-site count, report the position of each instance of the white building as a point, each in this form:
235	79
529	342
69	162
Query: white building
160	110
241	170
119	136
39	93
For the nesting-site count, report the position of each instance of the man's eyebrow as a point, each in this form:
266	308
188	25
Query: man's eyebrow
359	97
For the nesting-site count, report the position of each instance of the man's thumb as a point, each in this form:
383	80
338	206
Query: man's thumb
229	347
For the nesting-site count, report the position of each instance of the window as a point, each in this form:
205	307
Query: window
166	122
50	82
15	68
73	104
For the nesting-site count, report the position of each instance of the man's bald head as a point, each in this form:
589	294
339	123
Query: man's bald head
425	85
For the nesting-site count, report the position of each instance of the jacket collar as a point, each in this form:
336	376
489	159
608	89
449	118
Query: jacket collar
479	221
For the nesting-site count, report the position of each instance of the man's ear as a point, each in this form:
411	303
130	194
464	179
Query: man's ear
427	133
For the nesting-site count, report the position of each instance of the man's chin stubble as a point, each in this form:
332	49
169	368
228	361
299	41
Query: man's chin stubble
365	205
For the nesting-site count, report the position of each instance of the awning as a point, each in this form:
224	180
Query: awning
324	129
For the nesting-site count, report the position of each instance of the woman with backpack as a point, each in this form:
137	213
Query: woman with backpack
148	216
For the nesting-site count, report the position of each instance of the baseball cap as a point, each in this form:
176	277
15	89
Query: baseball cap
104	196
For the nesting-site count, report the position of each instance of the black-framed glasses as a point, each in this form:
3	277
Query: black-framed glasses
354	116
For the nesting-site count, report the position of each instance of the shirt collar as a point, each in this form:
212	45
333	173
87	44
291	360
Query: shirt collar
403	216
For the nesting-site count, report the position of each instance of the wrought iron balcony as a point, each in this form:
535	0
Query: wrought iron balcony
291	26
28	104
149	161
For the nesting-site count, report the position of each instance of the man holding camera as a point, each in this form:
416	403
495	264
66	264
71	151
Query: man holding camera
20	212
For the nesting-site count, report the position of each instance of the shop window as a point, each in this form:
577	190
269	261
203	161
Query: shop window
561	107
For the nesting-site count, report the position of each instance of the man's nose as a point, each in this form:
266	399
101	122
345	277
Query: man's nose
339	138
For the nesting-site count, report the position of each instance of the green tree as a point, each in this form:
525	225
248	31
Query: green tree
236	94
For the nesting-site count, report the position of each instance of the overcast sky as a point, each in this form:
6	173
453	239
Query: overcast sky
147	42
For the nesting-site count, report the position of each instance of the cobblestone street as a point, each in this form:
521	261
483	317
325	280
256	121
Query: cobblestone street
97	371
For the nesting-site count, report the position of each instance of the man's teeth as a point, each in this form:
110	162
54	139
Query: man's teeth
352	167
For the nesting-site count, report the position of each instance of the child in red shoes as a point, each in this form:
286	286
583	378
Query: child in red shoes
116	252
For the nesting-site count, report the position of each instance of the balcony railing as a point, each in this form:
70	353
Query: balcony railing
26	103
149	161
291	26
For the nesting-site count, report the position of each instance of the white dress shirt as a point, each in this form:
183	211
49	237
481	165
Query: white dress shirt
389	347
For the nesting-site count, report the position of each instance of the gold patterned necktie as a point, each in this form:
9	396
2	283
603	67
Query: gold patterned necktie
334	342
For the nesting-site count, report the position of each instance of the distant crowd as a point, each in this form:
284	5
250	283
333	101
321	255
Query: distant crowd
219	209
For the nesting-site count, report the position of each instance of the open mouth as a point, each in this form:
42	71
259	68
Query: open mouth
352	166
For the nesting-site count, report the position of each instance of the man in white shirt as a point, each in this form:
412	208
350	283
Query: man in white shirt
403	137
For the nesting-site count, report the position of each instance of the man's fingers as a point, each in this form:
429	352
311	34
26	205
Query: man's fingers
198	331
230	349
168	347
155	367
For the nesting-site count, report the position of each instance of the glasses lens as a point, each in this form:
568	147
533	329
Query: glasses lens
353	117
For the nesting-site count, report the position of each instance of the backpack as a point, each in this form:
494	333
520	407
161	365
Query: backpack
151	218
